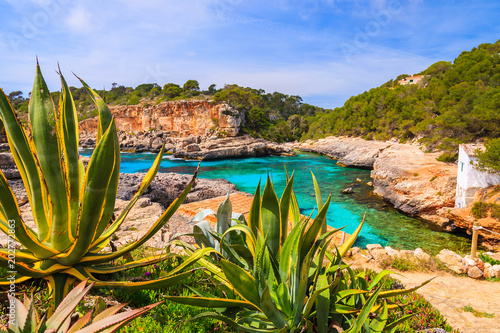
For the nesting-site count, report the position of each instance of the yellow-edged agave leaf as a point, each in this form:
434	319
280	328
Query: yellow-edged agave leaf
43	123
68	133
101	258
208	302
9	211
18	279
72	207
243	283
285	207
123	215
350	241
105	120
271	217
23	153
97	178
254	218
134	264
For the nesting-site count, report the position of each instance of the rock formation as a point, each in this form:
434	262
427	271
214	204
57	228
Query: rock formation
177	118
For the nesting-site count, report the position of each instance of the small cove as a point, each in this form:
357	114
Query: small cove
384	224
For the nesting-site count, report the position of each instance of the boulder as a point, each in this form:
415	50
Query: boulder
421	255
378	252
474	272
495	269
169	148
157	144
348	190
392	252
193	147
452	260
488	272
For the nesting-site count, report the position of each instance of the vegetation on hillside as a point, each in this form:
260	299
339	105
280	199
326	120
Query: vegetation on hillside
455	102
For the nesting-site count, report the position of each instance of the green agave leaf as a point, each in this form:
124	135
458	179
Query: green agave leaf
323	304
212	302
271	223
241	281
234	324
319	201
378	323
271	311
142	187
97	178
115	322
255	218
9	210
364	313
314	229
67	306
43	123
134	264
390	293
93	259
68	133
350	242
24	156
285	207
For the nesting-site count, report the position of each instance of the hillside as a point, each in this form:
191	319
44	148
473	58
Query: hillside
455	102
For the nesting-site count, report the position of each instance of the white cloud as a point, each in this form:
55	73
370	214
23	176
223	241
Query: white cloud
79	20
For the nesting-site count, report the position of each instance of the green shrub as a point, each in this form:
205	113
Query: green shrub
448	157
479	209
488	259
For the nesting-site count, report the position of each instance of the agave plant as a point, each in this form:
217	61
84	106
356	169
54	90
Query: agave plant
27	319
71	206
291	282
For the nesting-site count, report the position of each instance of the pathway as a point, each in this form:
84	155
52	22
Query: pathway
449	293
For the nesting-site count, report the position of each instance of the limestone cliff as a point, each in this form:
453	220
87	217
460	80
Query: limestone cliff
179	118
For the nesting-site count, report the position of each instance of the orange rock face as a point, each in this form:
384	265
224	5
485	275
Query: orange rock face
181	118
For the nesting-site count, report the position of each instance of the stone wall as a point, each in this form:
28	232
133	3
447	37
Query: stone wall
180	118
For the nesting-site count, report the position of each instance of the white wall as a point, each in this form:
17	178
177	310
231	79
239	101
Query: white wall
470	179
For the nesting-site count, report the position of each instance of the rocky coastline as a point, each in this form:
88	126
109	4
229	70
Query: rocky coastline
199	147
411	179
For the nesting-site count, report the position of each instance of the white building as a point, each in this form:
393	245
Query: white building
469	178
411	80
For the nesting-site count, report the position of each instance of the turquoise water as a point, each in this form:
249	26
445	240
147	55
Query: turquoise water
384	224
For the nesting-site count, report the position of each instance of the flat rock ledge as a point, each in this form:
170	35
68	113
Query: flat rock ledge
195	147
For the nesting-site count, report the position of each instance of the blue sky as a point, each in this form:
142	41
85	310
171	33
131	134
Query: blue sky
322	50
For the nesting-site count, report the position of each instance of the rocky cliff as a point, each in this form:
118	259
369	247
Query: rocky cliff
412	180
178	118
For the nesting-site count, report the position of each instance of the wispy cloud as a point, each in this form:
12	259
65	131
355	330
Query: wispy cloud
323	50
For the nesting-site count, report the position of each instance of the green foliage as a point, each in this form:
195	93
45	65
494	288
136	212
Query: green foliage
479	209
71	205
448	157
488	259
172	90
479	314
28	320
274	280
191	86
458	101
489	159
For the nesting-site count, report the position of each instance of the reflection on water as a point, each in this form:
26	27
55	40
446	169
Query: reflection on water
384	224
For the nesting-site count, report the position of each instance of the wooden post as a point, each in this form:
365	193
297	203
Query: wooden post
475	230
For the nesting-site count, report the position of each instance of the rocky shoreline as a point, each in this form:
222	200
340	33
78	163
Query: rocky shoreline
412	180
199	147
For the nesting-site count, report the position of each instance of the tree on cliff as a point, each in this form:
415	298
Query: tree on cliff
191	86
489	159
172	90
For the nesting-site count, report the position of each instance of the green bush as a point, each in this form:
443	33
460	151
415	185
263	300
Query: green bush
479	209
448	157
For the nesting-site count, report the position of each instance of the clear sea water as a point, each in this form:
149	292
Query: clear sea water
383	225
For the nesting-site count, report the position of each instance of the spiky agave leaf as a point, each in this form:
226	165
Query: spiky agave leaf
71	206
28	321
